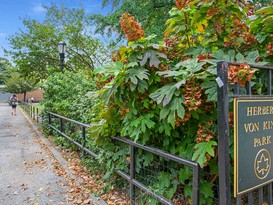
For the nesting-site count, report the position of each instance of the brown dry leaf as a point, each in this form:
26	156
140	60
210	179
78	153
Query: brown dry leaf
71	190
87	191
87	201
38	153
79	190
79	201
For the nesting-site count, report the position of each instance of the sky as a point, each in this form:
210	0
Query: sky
12	12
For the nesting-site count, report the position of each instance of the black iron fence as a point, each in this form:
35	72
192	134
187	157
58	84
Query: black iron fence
81	127
142	179
35	112
226	93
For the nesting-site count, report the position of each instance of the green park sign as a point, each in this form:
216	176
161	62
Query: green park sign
253	147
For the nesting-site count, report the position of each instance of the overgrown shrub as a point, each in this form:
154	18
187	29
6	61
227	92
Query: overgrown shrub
164	95
67	94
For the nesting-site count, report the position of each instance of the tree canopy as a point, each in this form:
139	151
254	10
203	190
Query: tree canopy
5	66
150	13
34	49
16	84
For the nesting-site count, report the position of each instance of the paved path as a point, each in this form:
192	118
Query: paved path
30	166
26	173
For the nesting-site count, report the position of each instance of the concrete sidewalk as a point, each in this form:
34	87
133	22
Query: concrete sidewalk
27	174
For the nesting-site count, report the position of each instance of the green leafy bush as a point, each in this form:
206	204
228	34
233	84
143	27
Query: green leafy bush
164	95
67	94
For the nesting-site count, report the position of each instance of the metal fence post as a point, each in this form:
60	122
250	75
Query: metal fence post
84	139
196	186
49	118
269	193
132	174
223	133
37	115
62	124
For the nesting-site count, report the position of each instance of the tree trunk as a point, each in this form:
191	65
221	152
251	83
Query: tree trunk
25	93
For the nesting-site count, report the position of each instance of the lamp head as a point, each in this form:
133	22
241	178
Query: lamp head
62	47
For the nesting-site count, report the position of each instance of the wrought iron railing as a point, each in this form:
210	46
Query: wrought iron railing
138	182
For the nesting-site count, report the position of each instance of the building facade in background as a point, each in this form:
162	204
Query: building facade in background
37	95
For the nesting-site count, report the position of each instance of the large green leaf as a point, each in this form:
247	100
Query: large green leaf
135	74
138	125
192	65
107	92
240	57
210	90
151	55
266	10
206	189
201	149
173	109
164	94
147	159
185	174
113	68
221	55
261	37
251	57
142	86
172	73
164	179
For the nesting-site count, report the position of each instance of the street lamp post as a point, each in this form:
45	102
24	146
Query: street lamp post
62	49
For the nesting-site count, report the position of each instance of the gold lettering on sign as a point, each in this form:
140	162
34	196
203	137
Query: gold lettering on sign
252	127
267	125
260	141
259	110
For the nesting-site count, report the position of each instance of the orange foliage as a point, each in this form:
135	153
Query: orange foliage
123	112
204	132
131	28
202	57
239	31
193	96
240	73
269	49
182	3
